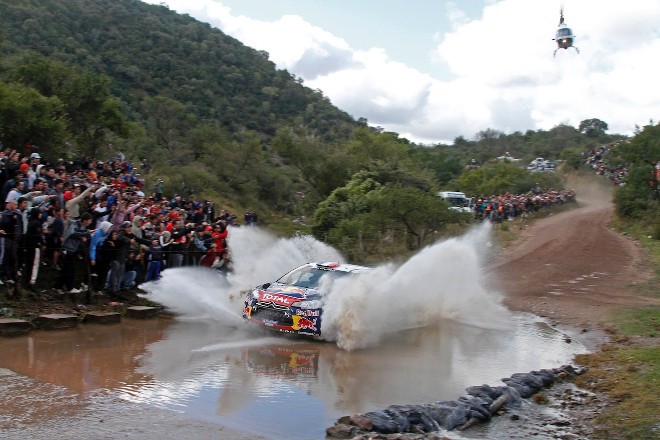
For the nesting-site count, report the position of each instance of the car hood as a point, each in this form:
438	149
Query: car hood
284	294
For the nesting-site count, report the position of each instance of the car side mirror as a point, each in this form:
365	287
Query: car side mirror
265	286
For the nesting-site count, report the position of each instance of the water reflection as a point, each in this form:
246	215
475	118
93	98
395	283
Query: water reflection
245	377
47	374
256	381
83	359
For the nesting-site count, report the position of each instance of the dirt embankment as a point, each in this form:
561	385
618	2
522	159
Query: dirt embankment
572	267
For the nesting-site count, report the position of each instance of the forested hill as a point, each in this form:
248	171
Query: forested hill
148	50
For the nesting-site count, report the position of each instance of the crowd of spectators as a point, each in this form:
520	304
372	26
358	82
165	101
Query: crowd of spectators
596	158
507	206
97	227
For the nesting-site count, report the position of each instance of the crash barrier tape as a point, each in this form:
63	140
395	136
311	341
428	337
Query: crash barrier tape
481	404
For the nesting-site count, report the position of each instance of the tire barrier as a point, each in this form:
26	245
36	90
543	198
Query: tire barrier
479	406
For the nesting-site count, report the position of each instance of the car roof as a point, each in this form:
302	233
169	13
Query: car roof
339	267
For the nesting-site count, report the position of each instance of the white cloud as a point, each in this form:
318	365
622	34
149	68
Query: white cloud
388	91
504	74
457	17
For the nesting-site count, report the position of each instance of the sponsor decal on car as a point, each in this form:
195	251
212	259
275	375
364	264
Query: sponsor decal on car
280	300
302	323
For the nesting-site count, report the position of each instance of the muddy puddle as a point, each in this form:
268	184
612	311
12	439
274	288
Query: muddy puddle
208	375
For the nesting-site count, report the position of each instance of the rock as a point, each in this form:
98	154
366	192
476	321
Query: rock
363	423
340	430
14	327
102	317
56	321
382	422
141	312
522	389
481	404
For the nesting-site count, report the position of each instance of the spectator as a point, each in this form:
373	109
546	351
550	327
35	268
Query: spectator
201	243
158	190
73	205
16	191
76	239
9	185
223	263
99	265
32	242
54	233
118	265
156	256
178	245
11	230
129	279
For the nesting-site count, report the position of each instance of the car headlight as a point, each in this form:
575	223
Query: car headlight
250	295
312	304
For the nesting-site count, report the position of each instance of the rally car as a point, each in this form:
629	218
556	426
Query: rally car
294	303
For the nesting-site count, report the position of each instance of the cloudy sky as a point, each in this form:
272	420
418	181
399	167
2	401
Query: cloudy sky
432	70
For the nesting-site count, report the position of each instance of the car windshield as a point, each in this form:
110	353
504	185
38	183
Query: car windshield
311	277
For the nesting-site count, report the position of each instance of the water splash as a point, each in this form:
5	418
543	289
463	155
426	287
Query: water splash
443	281
199	293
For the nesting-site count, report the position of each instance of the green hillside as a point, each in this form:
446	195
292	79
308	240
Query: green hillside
148	50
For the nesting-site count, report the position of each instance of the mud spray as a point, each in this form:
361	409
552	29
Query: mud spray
443	281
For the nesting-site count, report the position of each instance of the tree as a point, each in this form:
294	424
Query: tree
368	145
92	114
572	157
26	116
444	163
414	213
593	127
390	220
323	166
501	178
201	137
640	195
351	199
644	147
167	120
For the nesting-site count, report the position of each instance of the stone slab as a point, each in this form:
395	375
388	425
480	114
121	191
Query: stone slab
103	317
56	321
142	312
14	327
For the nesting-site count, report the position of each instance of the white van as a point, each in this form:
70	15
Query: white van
457	201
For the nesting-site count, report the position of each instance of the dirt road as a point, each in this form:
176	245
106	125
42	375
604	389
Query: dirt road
576	271
572	267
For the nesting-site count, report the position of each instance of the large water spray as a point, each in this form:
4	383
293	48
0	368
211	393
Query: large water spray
443	281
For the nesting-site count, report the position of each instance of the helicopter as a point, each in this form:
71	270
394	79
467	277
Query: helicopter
564	36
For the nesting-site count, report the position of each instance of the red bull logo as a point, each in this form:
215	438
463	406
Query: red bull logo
301	323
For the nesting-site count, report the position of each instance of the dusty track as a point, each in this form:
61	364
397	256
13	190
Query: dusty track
572	267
